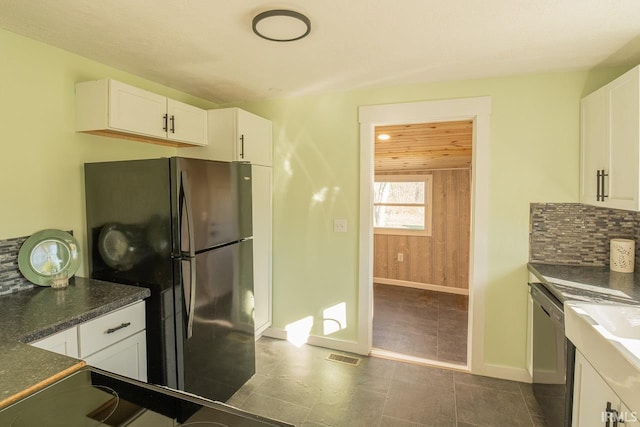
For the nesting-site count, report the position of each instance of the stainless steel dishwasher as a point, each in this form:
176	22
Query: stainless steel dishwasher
553	358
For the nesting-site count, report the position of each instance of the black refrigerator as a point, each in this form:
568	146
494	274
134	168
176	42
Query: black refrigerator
182	228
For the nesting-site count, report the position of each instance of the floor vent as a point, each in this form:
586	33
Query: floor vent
353	361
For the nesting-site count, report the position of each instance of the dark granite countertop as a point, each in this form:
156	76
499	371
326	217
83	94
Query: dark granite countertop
32	314
584	283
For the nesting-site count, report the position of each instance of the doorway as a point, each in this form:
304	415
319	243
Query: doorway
421	220
478	111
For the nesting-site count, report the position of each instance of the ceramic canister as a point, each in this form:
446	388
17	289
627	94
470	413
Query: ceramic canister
622	255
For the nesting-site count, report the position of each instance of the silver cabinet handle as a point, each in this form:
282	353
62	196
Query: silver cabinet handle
117	328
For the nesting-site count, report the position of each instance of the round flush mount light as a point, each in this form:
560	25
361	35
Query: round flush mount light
384	137
281	25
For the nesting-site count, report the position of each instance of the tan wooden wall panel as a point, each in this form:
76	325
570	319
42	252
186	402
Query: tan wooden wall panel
443	258
463	207
380	262
417	269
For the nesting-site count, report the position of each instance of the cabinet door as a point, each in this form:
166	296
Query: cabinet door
590	396
186	123
627	415
594	149
254	139
624	139
127	357
134	110
64	342
262	219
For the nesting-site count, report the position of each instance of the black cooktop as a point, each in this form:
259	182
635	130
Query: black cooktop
92	397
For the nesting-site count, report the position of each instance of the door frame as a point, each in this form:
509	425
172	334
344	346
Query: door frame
479	110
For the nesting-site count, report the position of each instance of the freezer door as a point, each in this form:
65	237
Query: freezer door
207	204
216	350
129	221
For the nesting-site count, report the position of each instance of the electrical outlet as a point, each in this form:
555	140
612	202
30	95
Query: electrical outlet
400	256
339	225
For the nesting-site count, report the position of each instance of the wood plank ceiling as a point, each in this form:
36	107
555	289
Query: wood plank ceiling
420	147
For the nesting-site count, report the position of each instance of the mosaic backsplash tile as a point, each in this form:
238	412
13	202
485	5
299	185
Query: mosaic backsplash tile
11	280
577	234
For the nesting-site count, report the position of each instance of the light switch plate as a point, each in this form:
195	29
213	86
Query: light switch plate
339	225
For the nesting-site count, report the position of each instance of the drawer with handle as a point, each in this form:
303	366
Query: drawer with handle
103	331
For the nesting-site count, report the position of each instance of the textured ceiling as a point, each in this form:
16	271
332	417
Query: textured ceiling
206	47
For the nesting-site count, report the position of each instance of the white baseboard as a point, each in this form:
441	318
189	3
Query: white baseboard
494	371
506	373
260	331
277	333
330	343
418	285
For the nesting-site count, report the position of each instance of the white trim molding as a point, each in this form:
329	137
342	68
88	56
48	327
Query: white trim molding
378	352
427	205
506	373
476	109
419	285
332	343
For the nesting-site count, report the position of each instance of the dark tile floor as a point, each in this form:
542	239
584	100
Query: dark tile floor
299	386
426	324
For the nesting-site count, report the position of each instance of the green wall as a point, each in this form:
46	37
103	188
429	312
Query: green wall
41	157
533	157
534	149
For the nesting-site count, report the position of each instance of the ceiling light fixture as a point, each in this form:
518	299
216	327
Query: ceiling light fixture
281	25
383	137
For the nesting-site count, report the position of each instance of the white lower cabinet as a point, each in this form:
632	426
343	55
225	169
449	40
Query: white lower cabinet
595	404
127	357
64	342
101	332
115	342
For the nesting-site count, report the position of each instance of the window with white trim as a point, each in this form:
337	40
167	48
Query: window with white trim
402	204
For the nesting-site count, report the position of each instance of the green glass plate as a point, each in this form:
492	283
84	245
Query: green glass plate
46	253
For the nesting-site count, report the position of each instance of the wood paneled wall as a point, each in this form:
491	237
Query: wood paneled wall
440	259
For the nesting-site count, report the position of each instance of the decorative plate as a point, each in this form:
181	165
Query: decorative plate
46	253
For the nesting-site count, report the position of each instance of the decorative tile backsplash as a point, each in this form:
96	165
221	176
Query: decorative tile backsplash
11	280
577	234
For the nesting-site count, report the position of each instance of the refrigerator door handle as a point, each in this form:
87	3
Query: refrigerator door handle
186	200
190	304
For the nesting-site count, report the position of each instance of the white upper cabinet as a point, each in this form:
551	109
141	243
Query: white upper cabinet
253	138
236	135
111	108
130	109
594	151
187	123
610	149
